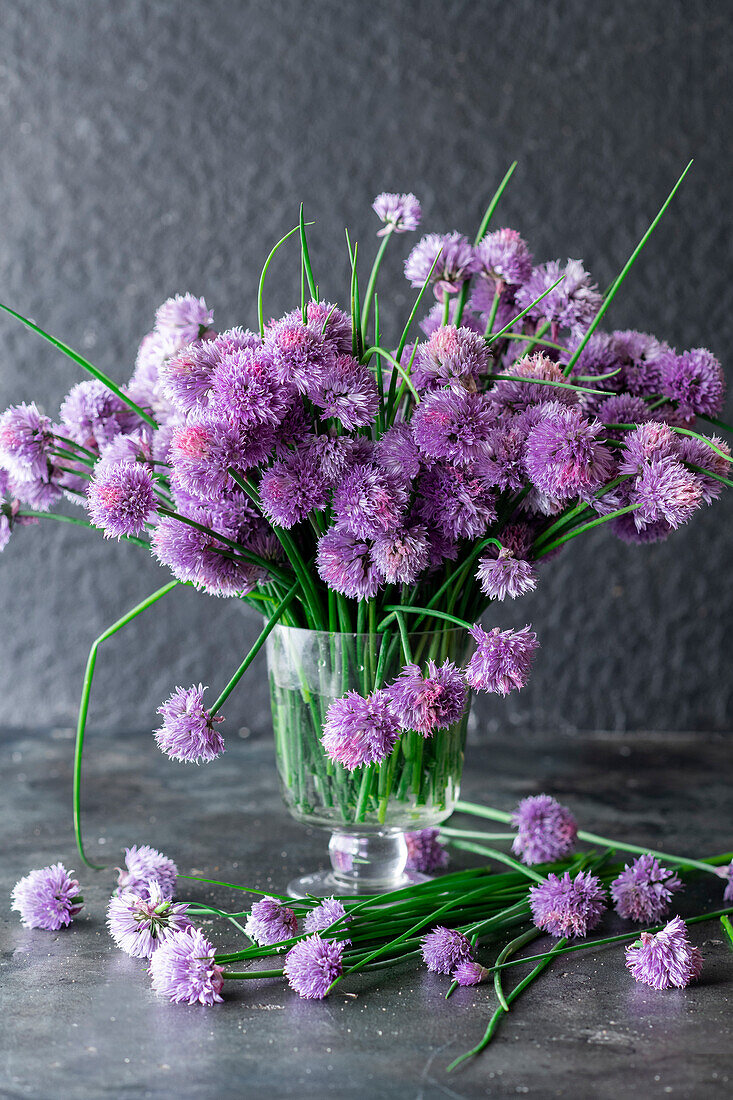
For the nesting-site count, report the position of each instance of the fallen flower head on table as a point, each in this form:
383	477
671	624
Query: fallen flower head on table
445	921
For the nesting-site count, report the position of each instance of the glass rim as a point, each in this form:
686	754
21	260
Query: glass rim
370	634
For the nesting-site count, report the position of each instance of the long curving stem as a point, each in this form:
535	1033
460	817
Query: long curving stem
84	708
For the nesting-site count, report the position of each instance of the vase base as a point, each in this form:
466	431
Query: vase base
326	884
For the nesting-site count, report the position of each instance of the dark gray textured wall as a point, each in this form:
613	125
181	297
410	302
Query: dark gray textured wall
149	147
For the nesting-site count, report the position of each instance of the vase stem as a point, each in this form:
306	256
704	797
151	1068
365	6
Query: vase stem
361	863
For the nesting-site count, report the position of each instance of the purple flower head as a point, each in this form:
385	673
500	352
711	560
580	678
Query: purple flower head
679	416
295	428
600	356
648	443
546	830
503	466
344	563
481	301
360	731
400	213
299	354
643	891
667	960
538	503
187	732
443	949
433	320
234	511
456	263
505	257
163	438
144	865
368	502
425	853
324	915
502	659
701	454
326	321
666	490
155	348
443	548
292	487
451	356
470	972
193	555
186	376
622	408
332	324
504	575
334	454
516	396
695	379
347	391
312	964
532	416
47	898
244	388
571	305
121	499
183	969
564	906
184	317
234	339
563	456
641	356
428	701
454	426
518	538
38	493
270	921
456	501
140	924
397	454
207	445
401	556
25	441
136	447
93	415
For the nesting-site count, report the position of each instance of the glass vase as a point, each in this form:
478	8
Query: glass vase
368	810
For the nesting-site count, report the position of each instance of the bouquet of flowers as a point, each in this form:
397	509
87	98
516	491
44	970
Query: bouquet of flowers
371	495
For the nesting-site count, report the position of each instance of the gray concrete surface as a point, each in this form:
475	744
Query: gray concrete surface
151	147
79	1021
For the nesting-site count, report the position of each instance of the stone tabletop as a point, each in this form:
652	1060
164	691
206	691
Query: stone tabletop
79	1020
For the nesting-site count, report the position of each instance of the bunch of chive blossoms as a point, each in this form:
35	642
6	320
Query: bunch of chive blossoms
571	906
147	923
315	453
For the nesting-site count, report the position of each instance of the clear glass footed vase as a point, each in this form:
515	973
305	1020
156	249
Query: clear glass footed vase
368	810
